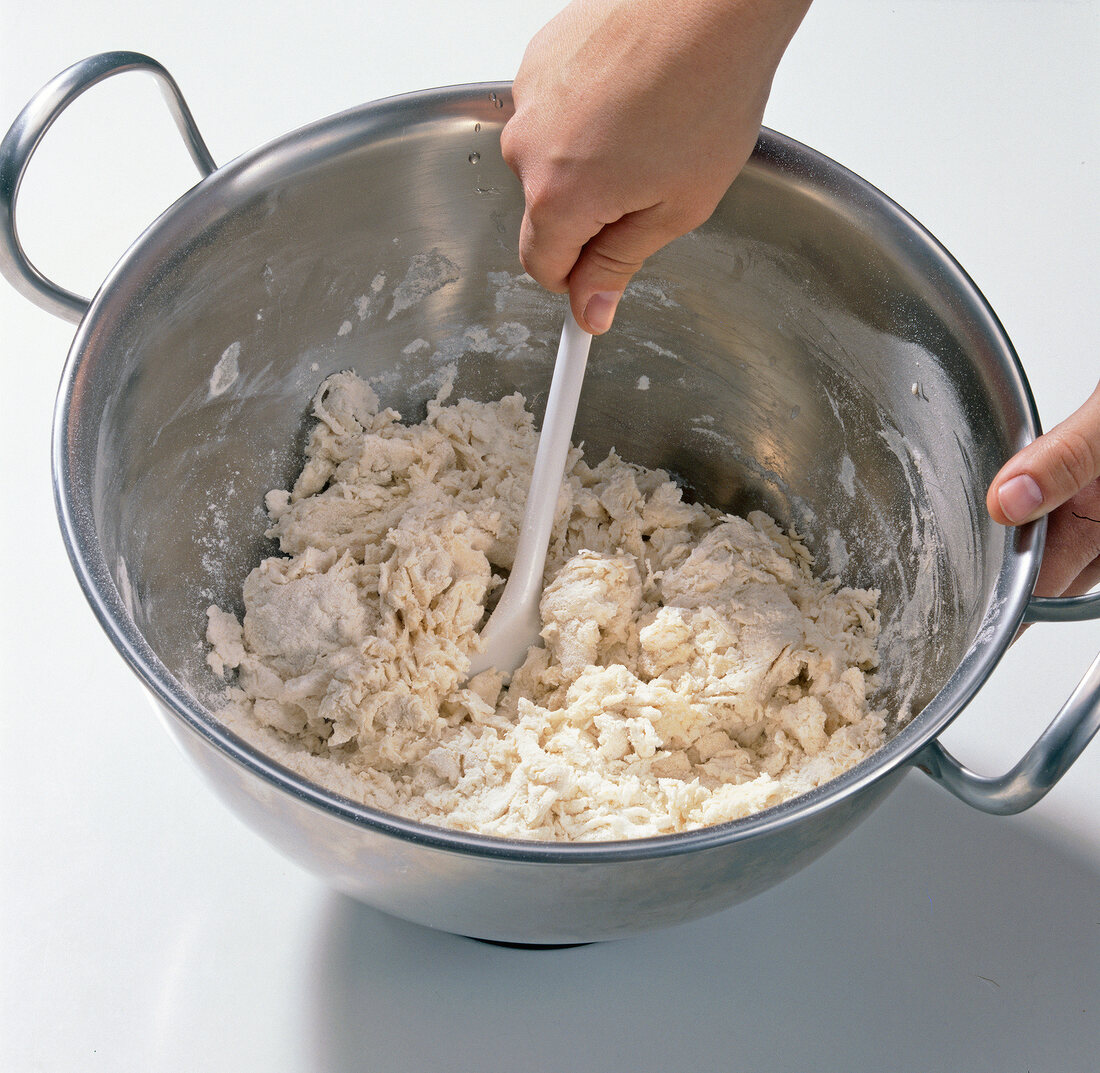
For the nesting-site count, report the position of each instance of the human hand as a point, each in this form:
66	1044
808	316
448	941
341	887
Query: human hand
1058	474
632	119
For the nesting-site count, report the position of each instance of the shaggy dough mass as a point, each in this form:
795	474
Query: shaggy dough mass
694	670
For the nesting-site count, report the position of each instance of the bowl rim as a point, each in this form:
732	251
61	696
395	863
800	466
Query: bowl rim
296	150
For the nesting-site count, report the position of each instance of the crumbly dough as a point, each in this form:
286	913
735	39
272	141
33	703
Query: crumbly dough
693	669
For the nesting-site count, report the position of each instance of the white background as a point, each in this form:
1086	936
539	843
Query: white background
144	928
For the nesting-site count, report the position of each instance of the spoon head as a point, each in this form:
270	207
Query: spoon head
507	637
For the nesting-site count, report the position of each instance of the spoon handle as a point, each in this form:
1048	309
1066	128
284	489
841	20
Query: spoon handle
514	625
553	449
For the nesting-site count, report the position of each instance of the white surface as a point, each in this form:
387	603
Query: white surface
145	929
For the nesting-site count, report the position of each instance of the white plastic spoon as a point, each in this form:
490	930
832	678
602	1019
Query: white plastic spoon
514	625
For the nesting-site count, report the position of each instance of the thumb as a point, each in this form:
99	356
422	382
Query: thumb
610	259
1049	471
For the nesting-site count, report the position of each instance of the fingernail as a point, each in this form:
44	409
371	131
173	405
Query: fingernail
600	311
1020	498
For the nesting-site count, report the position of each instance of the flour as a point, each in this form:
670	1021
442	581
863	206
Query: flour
692	669
226	371
428	273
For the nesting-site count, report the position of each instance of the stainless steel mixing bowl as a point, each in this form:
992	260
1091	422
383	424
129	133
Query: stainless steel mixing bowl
811	350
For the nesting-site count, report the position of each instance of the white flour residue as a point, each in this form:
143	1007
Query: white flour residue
905	636
214	538
650	345
643	383
505	342
505	337
438	381
345	328
226	371
988	631
428	273
480	340
652	293
702	426
367	304
837	551
920	538
847	475
519	295
504	283
513	335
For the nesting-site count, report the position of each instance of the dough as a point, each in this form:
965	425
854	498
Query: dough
693	669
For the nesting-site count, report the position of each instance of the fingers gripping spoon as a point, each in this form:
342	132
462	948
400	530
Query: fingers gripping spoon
514	625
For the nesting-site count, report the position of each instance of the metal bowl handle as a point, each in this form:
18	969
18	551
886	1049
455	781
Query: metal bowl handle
1063	608
28	130
1058	746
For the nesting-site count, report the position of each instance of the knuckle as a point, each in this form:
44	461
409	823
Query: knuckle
1076	459
612	263
510	145
688	206
527	259
546	196
684	216
529	256
536	264
519	146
